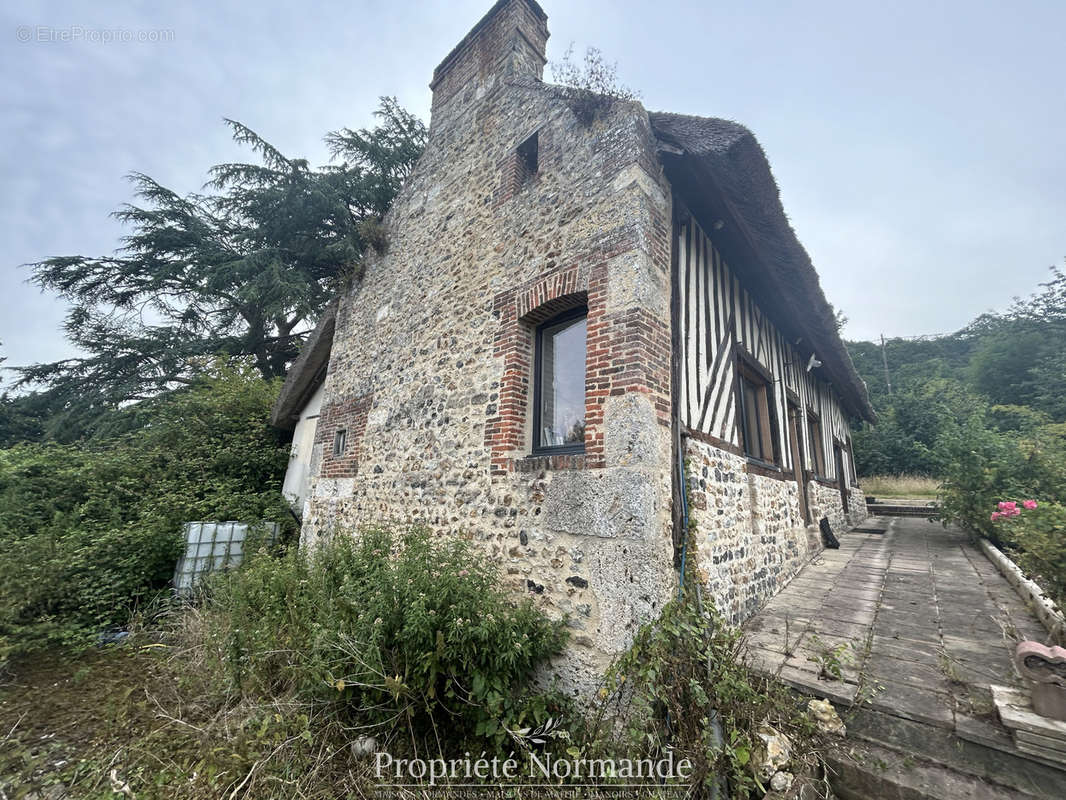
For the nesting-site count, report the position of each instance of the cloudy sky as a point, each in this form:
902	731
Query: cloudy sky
918	144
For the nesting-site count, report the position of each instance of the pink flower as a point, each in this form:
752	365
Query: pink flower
996	515
1014	512
1007	506
1029	504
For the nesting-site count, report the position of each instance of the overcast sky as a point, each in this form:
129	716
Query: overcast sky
919	146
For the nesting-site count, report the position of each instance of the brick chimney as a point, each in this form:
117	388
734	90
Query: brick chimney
509	41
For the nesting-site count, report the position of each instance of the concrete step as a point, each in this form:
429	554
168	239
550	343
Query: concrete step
865	771
900	510
975	750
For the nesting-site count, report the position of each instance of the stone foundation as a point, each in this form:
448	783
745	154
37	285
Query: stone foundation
750	534
826	499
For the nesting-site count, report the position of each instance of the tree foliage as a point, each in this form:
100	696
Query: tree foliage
1021	356
89	530
1003	372
242	269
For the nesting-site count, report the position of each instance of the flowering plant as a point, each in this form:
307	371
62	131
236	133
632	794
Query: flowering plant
1010	509
1037	533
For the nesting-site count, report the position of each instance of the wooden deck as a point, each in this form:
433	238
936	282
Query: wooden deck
919	624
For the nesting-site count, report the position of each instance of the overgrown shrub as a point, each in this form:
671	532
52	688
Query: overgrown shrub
398	633
683	686
591	88
409	637
1036	532
981	466
267	688
90	531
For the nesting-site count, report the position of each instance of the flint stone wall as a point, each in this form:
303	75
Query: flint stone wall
430	363
827	499
750	535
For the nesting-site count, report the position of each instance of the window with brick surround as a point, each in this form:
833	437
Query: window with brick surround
340	441
758	423
559	384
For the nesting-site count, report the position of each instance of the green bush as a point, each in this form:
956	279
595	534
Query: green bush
388	630
981	466
88	532
984	468
1038	535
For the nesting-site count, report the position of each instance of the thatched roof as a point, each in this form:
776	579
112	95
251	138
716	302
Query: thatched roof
307	371
723	176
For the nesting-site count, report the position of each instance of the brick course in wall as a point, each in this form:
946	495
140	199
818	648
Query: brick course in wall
437	339
347	414
432	364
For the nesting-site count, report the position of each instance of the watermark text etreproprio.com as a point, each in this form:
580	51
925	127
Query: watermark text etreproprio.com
53	34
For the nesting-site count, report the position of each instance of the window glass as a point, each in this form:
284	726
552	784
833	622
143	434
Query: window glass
752	422
814	444
561	384
758	423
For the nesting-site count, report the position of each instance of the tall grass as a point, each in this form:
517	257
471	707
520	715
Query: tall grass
900	486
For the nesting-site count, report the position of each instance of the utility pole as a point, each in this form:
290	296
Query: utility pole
884	361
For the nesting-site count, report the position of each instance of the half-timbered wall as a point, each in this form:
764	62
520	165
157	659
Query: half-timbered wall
748	516
719	319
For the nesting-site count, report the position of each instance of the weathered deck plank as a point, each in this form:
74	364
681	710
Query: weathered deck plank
929	625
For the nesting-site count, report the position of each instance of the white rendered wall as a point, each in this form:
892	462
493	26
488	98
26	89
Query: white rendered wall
298	474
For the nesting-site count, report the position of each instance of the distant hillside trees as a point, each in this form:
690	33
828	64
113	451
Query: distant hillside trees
240	270
1021	356
1004	372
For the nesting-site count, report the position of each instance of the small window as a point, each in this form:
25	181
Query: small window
815	454
528	153
758	423
559	384
340	441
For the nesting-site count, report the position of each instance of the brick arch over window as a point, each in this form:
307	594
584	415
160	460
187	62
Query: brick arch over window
625	351
519	311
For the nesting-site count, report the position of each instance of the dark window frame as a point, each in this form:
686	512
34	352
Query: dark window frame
537	448
853	473
340	442
816	443
767	431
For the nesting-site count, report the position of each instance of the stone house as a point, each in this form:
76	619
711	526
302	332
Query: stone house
572	320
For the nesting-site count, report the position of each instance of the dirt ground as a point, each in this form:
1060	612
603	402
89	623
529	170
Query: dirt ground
67	721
